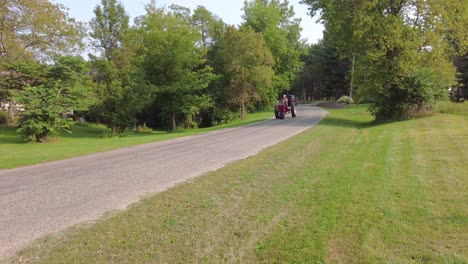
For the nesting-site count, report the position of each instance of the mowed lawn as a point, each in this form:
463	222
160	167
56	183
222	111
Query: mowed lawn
89	139
346	191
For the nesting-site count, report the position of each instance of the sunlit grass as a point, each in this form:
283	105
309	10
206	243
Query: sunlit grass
452	108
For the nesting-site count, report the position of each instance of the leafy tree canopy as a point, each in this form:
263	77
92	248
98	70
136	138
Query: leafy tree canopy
30	31
37	29
109	26
403	49
281	31
248	68
173	63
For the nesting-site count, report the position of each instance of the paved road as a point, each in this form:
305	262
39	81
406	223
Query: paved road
45	198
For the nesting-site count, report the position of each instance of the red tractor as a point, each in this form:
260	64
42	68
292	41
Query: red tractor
284	105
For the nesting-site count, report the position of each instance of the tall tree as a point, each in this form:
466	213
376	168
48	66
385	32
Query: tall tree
109	26
33	30
281	31
174	64
212	30
248	68
403	49
208	25
120	89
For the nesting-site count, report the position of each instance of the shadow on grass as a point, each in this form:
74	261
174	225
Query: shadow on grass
91	131
94	131
8	135
341	122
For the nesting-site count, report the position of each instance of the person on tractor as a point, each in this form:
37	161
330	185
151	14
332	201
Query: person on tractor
282	109
285	104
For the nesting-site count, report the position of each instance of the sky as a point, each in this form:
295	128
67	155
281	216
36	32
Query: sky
228	10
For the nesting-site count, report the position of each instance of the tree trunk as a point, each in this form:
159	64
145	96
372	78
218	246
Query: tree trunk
242	108
351	87
11	110
173	121
243	95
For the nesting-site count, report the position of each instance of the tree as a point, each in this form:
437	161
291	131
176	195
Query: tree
403	49
109	26
33	30
71	75
64	86
248	68
120	88
37	29
209	26
212	31
174	64
41	117
121	94
281	31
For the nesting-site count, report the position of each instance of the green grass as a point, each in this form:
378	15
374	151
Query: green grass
452	108
89	139
346	191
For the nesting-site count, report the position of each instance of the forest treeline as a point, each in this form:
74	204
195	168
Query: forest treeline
175	67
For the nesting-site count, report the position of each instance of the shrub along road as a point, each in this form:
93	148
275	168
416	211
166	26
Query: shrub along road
45	198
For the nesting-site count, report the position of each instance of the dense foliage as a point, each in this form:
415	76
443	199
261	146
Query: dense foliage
61	88
32	31
281	31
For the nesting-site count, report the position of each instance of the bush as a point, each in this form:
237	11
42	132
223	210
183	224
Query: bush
415	96
345	100
223	116
3	118
41	117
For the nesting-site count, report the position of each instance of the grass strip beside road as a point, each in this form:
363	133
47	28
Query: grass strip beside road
90	139
346	191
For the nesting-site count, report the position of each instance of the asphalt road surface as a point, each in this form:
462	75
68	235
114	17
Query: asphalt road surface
42	199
